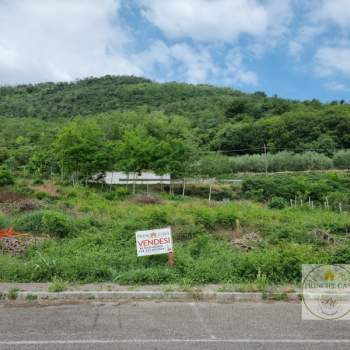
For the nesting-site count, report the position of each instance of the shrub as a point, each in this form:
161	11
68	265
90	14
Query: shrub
315	186
3	221
212	165
13	293
342	159
49	222
121	193
277	203
6	177
58	224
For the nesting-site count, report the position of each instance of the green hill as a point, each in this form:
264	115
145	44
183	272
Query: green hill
213	119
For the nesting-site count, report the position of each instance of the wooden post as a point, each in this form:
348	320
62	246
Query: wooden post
238	227
309	201
291	203
266	161
170	258
340	207
183	188
147	190
210	192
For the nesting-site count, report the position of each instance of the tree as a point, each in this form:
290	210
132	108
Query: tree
342	159
82	150
138	151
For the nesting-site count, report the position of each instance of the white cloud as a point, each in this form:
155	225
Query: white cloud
194	65
236	70
210	20
179	61
305	34
333	60
336	86
61	40
335	11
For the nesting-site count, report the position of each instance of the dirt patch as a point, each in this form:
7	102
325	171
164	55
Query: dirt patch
144	199
247	242
13	202
11	197
224	232
48	188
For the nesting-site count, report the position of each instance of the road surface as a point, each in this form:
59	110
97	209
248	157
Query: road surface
167	325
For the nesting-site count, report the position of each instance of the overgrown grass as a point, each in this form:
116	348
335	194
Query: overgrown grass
102	245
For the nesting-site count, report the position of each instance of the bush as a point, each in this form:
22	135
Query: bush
212	165
3	221
277	203
315	186
342	159
53	223
6	177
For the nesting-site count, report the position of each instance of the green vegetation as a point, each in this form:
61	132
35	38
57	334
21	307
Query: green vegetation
332	188
57	285
54	136
135	124
102	245
12	294
31	297
6	177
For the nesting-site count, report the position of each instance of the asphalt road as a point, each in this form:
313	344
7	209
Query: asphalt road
167	325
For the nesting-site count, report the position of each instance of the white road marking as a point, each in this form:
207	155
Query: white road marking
204	324
134	341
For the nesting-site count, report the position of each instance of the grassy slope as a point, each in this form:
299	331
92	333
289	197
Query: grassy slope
102	244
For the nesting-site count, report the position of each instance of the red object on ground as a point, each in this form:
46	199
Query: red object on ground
8	232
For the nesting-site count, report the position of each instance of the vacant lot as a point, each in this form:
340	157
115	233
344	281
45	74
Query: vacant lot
87	235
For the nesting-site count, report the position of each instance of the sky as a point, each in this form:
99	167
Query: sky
298	49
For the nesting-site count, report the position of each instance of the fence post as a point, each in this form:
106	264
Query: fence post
266	160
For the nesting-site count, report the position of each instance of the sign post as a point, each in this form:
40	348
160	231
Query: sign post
154	242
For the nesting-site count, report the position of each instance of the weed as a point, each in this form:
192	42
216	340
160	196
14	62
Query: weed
57	285
12	294
31	297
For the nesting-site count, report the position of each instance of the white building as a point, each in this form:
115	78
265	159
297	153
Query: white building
122	178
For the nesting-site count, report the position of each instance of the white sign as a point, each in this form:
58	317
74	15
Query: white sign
152	242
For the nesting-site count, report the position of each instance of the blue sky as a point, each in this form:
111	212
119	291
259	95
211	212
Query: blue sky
298	49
